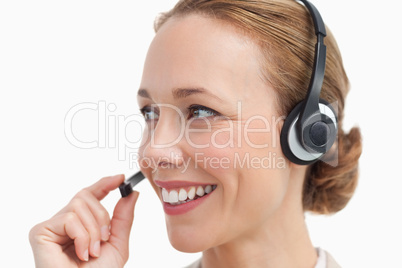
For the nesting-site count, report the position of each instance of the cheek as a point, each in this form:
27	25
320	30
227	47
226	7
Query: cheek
263	184
261	193
210	134
214	151
254	180
238	147
146	163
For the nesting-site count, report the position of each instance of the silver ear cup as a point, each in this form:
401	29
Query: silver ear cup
291	146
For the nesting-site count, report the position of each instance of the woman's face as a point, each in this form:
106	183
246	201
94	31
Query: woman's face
211	120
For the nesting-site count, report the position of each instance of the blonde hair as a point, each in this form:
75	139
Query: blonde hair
284	32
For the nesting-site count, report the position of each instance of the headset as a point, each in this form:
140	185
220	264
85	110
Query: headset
310	129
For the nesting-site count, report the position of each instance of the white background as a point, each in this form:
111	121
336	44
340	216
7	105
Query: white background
56	54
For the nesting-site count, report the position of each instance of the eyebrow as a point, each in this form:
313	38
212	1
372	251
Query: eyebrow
180	93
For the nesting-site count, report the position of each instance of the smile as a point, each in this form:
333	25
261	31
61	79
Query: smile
180	197
184	195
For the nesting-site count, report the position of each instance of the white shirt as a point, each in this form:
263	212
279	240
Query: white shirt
321	261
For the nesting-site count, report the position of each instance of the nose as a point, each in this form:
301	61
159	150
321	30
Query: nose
163	147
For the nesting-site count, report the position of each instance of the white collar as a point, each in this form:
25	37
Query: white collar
322	258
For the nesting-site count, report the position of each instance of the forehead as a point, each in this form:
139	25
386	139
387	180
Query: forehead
196	47
196	51
202	33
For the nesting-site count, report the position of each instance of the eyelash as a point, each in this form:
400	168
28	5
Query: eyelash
200	107
145	110
191	108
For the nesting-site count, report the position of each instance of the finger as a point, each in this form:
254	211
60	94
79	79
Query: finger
80	207
102	187
121	223
99	212
69	225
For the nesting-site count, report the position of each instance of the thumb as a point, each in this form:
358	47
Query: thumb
121	223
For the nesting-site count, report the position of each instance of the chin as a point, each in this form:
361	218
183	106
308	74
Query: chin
187	247
189	239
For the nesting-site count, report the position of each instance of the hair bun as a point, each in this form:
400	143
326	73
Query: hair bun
328	189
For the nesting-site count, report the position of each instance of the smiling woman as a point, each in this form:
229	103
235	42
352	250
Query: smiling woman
219	79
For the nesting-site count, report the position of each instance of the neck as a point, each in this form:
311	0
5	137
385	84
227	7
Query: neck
281	241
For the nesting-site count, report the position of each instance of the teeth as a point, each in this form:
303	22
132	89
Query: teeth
173	197
181	196
200	191
191	193
165	195
208	189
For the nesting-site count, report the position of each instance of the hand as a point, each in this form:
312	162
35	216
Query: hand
79	235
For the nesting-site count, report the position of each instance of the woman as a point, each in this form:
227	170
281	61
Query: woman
219	78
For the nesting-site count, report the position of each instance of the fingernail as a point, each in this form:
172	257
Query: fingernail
105	233
97	248
86	255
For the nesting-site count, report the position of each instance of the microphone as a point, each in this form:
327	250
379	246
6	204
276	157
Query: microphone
126	188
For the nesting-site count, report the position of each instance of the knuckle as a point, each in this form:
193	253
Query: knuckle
33	233
104	216
77	202
70	217
83	192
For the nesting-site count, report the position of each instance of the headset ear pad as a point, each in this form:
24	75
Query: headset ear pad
324	133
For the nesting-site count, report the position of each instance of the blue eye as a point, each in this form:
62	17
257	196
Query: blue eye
199	111
149	113
194	111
